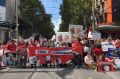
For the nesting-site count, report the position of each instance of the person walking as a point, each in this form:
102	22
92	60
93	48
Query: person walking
77	48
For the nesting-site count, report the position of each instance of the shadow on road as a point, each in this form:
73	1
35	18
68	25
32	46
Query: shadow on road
30	77
65	72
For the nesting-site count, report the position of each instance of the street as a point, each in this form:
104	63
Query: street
51	73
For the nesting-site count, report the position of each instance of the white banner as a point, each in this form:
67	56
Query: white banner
106	45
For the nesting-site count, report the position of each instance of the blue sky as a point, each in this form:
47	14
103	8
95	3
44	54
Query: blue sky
2	10
53	7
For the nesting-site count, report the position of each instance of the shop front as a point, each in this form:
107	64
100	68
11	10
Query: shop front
106	31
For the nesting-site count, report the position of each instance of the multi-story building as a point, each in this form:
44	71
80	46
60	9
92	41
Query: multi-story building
108	16
3	29
8	21
11	10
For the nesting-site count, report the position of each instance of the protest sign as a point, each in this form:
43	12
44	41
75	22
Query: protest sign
106	45
63	37
96	35
76	31
113	52
105	66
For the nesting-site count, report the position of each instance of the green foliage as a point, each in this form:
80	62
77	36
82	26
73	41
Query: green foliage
33	12
73	12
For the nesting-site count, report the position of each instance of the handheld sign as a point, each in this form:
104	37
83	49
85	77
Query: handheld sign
106	45
113	52
105	66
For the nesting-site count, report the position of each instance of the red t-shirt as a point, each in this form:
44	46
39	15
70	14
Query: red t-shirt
11	47
97	51
21	47
78	47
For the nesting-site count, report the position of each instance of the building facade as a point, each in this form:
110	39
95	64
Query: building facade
11	10
8	18
3	29
2	10
108	16
108	11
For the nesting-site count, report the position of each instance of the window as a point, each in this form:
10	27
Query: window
103	7
2	2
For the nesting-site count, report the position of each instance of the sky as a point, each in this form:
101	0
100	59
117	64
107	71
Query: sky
2	13
2	10
53	7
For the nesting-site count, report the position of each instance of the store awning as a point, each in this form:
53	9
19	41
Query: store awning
7	24
108	28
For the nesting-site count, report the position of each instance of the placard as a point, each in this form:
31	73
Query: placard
96	35
106	45
76	31
113	52
63	37
105	66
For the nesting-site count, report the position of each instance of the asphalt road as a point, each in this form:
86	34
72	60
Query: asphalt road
62	73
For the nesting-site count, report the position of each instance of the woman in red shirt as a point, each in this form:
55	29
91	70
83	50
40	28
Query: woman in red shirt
11	46
77	46
98	53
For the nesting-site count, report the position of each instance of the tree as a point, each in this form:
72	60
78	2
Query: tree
33	13
74	12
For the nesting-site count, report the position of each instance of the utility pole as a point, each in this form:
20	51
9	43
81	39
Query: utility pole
17	25
93	15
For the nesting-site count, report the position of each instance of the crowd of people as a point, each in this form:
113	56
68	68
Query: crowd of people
86	52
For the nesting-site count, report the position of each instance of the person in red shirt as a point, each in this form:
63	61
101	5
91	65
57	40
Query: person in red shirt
11	46
11	53
22	54
98	53
32	44
77	46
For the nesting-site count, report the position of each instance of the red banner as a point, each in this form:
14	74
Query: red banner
42	52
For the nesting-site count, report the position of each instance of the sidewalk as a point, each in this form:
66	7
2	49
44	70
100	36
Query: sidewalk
114	75
86	74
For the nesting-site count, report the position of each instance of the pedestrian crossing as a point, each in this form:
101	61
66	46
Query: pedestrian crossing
51	73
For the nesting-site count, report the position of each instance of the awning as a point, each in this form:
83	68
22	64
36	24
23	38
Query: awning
108	28
7	24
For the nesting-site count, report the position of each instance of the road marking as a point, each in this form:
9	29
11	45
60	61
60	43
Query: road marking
90	77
